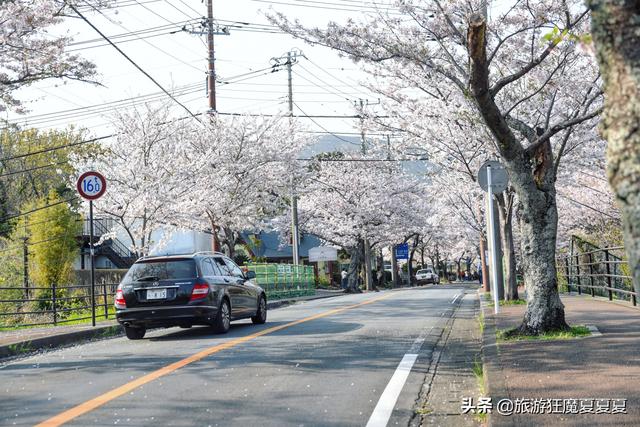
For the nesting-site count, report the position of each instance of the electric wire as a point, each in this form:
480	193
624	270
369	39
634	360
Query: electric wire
133	62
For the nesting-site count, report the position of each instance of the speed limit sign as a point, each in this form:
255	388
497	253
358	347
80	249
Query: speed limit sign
91	185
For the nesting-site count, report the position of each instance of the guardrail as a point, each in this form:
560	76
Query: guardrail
284	280
54	305
58	304
599	271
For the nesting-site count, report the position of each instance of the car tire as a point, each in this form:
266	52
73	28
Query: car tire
261	315
134	333
223	319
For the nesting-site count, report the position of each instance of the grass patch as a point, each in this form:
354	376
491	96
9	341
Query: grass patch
480	320
506	335
21	348
478	371
509	302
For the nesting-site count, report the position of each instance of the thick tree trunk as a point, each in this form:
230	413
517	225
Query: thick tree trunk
368	277
508	247
355	264
215	240
538	220
532	175
230	240
615	28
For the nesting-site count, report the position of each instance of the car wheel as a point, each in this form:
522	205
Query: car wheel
134	333
261	314
223	319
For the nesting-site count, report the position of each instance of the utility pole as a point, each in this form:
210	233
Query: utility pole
288	60
212	29
363	141
367	248
211	82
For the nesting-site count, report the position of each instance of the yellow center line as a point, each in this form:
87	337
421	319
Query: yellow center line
96	402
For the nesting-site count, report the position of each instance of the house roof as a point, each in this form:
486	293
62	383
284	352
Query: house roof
268	244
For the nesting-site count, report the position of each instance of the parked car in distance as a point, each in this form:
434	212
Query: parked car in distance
204	288
427	275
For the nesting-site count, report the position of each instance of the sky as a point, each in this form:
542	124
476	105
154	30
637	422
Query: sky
323	82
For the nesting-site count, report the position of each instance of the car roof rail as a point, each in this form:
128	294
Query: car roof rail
209	253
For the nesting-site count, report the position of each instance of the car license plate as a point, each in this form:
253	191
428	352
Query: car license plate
156	293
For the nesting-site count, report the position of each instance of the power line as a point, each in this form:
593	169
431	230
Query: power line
187	5
12	248
58	147
333	6
144	31
34	168
134	63
323	128
9	217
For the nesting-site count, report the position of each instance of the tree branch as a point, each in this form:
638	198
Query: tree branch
508	145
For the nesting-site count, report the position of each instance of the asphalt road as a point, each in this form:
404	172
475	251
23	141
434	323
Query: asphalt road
322	363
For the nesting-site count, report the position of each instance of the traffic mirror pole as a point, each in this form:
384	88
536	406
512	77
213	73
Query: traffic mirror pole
493	255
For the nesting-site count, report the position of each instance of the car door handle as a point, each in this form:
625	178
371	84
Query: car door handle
226	280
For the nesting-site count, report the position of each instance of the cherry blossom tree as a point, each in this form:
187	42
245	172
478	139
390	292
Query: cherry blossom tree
221	176
146	165
352	198
521	73
28	50
243	175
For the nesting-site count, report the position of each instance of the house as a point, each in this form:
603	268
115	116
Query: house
268	246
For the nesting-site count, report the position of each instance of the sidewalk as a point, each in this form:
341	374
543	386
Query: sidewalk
595	367
22	341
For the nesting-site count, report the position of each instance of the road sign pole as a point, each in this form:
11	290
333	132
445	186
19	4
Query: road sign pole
93	268
492	235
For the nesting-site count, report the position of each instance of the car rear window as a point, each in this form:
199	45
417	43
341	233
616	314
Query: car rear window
162	270
423	271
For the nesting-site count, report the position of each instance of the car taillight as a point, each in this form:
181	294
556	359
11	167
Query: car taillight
200	290
119	301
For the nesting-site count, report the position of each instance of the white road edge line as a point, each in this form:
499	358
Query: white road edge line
384	408
455	297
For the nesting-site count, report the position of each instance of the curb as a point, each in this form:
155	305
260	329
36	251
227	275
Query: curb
26	347
496	387
48	343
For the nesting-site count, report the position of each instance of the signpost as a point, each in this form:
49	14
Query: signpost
91	186
402	251
323	253
493	178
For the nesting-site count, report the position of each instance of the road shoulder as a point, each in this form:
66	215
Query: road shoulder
450	376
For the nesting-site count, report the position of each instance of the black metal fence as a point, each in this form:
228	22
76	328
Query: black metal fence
598	271
54	305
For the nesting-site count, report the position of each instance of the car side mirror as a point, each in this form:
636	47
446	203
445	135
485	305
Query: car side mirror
250	275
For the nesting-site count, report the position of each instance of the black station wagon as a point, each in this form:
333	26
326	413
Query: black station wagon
204	288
